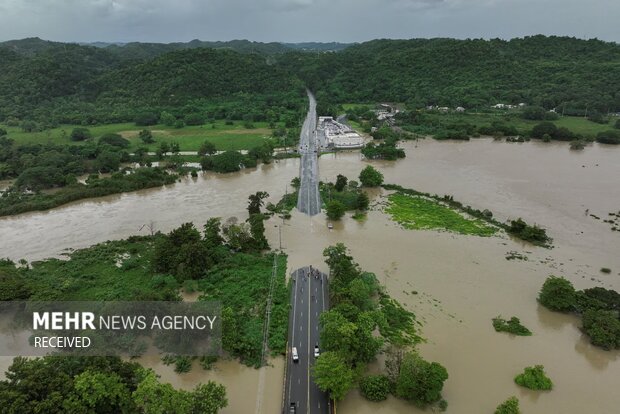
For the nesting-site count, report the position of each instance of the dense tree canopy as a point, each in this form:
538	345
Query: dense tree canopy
370	177
420	381
557	294
543	71
54	82
99	385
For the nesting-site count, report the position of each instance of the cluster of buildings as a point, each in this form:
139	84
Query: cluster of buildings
444	108
507	106
385	112
461	109
338	135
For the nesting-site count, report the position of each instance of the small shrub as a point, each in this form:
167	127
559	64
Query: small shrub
335	210
510	406
531	233
370	177
375	387
194	119
206	362
608	137
605	270
131	263
146	119
80	134
544	128
183	364
146	136
114	140
512	326
168	359
534	378
577	145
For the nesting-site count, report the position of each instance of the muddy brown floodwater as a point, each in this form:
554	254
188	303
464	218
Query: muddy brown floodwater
460	282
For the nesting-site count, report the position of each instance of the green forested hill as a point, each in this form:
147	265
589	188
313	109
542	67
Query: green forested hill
68	82
141	51
54	82
538	70
29	46
28	83
198	73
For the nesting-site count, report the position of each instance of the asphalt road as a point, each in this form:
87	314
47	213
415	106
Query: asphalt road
309	298
309	200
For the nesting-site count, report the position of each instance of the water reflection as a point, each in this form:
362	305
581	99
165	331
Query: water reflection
554	320
598	358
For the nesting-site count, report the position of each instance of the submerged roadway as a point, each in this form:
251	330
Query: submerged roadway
309	295
309	200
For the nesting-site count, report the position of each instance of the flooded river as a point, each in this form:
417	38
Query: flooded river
461	281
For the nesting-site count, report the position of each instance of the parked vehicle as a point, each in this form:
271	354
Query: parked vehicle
316	351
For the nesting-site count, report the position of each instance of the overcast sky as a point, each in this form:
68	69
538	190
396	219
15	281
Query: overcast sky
304	20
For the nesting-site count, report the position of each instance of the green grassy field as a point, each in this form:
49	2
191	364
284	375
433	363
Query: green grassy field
349	106
225	137
418	213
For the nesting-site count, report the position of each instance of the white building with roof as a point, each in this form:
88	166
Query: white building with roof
338	135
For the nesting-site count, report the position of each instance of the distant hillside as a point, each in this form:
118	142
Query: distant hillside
140	51
150	50
178	76
547	71
56	70
318	47
72	83
29	46
47	80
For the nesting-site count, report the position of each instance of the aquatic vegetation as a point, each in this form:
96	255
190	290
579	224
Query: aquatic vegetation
534	378
558	294
510	406
517	228
513	255
16	202
531	233
603	328
513	326
420	213
598	308
375	387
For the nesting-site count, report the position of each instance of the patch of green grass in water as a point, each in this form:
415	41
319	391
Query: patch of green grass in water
419	213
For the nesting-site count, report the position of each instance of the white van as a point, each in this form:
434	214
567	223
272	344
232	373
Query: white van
295	355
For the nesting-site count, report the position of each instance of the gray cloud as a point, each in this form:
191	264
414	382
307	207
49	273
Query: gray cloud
303	20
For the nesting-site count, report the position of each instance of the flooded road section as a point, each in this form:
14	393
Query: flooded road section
455	284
